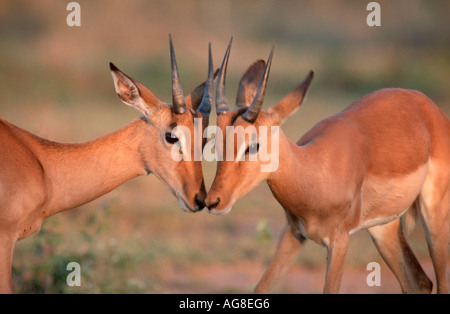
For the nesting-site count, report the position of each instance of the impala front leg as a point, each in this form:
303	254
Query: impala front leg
336	252
287	251
6	253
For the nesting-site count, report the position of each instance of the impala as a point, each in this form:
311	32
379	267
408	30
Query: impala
361	168
39	178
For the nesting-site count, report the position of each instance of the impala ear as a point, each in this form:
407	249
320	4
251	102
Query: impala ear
195	97
133	93
248	86
291	101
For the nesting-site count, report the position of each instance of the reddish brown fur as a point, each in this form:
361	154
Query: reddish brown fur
39	178
361	168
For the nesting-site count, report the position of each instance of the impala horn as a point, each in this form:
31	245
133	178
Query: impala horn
179	104
251	114
205	106
221	98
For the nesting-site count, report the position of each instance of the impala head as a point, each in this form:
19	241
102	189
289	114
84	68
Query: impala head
253	156
169	146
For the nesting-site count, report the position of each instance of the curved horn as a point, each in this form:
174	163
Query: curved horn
205	106
221	99
253	110
179	104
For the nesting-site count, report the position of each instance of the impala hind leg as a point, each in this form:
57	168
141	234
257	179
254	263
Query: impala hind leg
435	216
6	254
287	251
392	245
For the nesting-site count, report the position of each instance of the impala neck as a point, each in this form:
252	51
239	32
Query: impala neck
79	173
297	175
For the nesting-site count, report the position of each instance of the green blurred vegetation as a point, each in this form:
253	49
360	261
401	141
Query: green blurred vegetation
49	254
55	82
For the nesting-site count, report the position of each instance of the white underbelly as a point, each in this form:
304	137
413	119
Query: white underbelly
386	199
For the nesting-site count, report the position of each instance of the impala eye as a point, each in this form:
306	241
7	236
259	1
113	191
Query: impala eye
252	148
170	138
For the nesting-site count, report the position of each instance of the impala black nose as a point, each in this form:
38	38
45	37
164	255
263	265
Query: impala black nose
214	204
199	204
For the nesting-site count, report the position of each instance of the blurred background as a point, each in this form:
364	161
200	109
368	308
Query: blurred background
55	82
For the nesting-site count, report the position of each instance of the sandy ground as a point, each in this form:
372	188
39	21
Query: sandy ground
299	280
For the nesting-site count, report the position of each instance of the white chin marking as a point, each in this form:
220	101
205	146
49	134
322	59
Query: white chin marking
183	205
219	212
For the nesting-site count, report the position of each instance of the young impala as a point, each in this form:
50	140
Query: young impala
359	169
39	178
